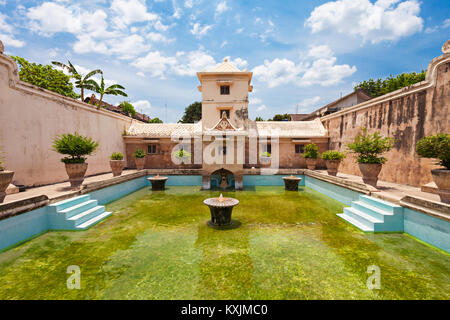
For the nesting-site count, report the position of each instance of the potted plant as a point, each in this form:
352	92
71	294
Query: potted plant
311	154
368	149
182	155
265	158
5	180
438	147
139	158
333	160
117	163
76	147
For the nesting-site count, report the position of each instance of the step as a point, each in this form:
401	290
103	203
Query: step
93	221
79	208
354	222
61	205
380	204
362	217
87	215
375	212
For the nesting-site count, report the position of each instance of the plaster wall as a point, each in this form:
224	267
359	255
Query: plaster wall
31	117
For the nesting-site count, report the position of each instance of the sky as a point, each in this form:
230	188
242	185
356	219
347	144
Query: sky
303	54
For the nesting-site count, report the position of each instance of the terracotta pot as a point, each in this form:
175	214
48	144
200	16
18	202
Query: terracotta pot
140	163
265	161
5	180
76	172
311	163
442	179
117	167
370	172
332	167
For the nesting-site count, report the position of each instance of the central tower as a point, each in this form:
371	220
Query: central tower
224	123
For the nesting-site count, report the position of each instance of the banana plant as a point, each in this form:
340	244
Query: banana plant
80	82
115	89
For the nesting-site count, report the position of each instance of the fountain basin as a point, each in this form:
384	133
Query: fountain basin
221	209
291	183
158	182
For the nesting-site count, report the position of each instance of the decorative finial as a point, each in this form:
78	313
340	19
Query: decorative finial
2	47
225	60
446	47
221	199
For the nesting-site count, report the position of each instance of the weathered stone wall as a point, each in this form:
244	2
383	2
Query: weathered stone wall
407	115
30	118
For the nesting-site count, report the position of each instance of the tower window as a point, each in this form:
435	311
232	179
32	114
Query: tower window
299	148
224	90
151	149
227	113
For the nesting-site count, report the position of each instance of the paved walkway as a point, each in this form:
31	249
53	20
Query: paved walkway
58	189
390	190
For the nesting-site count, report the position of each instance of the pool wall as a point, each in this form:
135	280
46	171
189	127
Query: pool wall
22	227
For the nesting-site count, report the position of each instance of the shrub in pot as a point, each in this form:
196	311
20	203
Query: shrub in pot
438	147
117	163
5	180
368	149
333	160
76	147
311	154
139	158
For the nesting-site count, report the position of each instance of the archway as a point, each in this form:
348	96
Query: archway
222	179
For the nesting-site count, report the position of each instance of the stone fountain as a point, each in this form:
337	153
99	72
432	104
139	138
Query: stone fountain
291	183
158	182
221	209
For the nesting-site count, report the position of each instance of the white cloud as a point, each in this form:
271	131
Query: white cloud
188	3
6	34
261	108
446	23
222	7
199	31
277	72
193	62
384	20
128	47
140	74
322	51
255	101
155	63
143	106
131	11
158	37
308	103
177	12
323	70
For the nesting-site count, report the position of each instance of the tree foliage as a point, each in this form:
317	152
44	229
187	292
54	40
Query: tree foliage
437	147
259	119
369	147
155	120
46	77
116	156
192	113
127	108
379	87
74	145
281	117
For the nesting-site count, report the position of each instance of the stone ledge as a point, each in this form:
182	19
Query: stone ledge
430	188
352	185
433	208
15	208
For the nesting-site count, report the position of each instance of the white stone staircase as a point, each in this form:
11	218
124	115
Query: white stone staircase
374	215
77	213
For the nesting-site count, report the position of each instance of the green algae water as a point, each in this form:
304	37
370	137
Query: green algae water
290	245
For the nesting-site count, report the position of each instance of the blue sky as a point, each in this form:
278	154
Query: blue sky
302	53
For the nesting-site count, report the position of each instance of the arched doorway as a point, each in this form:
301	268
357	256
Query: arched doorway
222	179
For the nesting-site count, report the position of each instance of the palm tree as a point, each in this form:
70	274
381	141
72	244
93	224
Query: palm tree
80	81
115	89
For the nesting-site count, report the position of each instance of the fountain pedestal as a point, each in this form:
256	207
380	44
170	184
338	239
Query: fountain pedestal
291	183
158	182
221	209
